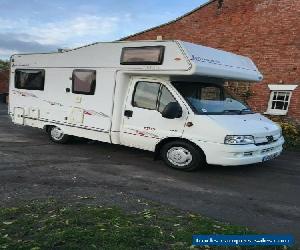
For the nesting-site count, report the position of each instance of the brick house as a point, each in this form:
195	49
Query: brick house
4	79
268	31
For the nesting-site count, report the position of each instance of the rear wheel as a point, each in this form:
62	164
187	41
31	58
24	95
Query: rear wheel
182	156
57	135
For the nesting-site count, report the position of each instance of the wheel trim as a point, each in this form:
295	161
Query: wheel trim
56	133
179	156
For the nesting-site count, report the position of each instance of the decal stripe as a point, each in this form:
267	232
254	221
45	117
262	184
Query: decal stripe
139	134
69	124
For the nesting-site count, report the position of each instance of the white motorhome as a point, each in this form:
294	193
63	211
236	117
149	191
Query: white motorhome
163	96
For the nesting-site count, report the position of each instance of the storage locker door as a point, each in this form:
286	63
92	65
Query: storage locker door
19	116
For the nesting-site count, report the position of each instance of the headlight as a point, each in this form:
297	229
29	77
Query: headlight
239	139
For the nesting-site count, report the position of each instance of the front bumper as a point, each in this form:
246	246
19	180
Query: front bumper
234	155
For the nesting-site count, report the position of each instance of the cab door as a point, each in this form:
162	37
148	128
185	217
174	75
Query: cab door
143	125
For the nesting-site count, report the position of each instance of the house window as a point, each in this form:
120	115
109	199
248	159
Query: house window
30	79
84	81
280	98
280	101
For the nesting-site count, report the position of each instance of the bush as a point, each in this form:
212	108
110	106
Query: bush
291	134
4	64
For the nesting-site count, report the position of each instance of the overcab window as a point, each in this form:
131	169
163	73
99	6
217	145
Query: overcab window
31	79
148	55
84	81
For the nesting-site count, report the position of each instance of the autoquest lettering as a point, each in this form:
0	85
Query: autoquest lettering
201	59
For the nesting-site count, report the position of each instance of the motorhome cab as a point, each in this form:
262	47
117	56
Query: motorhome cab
163	96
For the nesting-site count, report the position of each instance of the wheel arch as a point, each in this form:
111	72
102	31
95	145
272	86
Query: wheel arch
48	126
64	138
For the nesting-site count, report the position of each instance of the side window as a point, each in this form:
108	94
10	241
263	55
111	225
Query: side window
145	95
84	81
31	79
165	98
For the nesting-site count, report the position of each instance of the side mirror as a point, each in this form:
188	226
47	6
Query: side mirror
172	111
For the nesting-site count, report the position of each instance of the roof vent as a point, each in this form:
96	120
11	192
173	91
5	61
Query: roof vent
62	50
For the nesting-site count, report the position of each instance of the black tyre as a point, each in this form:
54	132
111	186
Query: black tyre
57	135
182	155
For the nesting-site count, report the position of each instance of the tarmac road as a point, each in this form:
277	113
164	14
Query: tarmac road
264	197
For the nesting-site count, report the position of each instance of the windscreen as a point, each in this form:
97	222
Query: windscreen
210	98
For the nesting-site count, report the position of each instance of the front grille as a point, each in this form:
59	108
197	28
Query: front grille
248	153
268	139
266	150
265	143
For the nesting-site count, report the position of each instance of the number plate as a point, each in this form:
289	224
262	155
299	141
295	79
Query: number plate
270	157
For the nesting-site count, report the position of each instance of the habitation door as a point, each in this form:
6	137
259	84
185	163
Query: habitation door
143	125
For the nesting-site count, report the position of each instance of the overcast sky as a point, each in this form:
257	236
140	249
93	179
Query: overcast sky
43	26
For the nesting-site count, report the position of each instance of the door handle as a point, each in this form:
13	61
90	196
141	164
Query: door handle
128	113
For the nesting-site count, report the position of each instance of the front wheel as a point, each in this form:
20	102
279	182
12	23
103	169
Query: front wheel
57	135
182	156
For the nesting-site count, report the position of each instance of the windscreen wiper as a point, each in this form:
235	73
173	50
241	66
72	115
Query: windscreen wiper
238	111
246	110
232	111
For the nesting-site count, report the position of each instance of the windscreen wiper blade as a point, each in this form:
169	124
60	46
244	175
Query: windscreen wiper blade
232	111
238	111
246	110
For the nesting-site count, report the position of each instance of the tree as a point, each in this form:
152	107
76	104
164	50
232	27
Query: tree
4	64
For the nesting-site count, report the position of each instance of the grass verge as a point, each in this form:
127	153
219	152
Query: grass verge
52	225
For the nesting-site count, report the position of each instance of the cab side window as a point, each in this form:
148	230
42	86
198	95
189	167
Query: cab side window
146	95
165	98
152	96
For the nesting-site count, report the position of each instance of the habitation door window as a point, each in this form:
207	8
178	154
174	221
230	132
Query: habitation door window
84	81
30	79
145	95
279	102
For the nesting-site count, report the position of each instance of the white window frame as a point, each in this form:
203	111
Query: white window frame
274	88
